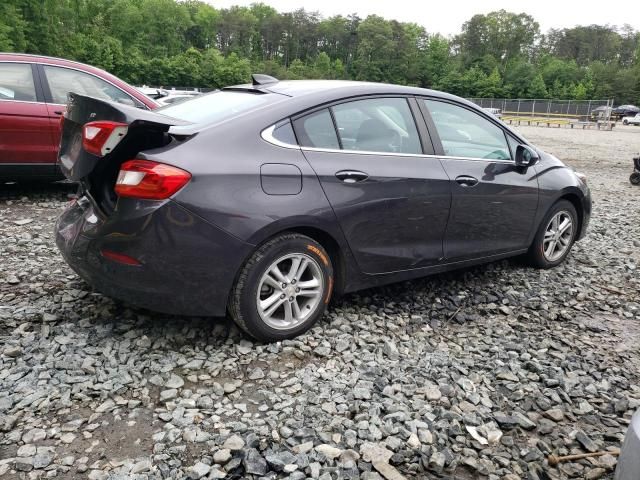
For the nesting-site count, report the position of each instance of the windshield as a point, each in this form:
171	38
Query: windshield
217	106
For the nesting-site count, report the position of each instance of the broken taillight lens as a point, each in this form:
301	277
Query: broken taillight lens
101	137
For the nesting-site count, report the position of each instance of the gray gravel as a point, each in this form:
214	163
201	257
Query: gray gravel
474	374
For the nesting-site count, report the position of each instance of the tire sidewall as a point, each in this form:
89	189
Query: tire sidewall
248	307
538	244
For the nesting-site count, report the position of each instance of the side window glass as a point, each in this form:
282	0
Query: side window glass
16	82
464	133
64	80
284	133
317	130
377	125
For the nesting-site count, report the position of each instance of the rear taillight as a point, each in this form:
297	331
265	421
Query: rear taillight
150	180
100	138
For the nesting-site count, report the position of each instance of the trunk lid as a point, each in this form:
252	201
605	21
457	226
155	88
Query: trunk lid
97	174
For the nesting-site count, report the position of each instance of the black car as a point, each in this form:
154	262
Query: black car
625	111
264	200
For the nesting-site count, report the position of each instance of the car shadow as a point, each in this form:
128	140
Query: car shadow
459	293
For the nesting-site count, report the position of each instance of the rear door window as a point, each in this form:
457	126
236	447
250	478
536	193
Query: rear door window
464	133
63	80
377	125
16	82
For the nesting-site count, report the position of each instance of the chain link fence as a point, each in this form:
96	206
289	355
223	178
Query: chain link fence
551	112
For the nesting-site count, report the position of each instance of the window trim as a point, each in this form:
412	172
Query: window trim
420	128
47	88
424	124
37	87
267	135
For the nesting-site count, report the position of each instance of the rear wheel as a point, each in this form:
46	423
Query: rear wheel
283	289
635	178
555	236
625	122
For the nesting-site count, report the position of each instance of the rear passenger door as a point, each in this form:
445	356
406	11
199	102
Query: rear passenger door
494	202
391	200
25	136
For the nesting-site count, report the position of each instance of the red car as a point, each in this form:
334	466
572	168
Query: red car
33	95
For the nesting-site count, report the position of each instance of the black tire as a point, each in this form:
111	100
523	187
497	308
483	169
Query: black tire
243	303
625	122
635	178
536	256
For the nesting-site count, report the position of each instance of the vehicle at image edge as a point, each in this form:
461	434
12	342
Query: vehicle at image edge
33	95
624	111
628	467
263	200
496	112
635	120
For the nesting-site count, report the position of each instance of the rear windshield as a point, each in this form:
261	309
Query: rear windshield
216	107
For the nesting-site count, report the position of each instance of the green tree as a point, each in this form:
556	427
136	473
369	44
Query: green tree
537	89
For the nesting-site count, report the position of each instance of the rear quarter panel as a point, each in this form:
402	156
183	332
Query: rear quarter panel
226	188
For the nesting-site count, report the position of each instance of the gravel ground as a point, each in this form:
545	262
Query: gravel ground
480	373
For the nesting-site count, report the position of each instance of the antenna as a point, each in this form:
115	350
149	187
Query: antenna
261	79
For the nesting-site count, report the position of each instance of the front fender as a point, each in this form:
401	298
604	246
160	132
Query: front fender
557	181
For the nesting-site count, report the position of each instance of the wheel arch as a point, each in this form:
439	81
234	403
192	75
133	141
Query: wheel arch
331	240
576	201
331	245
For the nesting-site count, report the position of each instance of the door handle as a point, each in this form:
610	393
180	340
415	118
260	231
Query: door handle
58	112
467	181
351	176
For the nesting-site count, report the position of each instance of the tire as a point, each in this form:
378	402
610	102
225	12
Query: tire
634	178
287	320
537	256
624	122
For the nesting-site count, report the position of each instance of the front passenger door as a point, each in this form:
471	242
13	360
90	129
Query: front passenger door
494	202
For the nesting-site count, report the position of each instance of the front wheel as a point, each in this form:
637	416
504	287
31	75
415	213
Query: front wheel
283	289
635	178
624	122
555	236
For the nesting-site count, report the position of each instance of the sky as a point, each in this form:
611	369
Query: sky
447	17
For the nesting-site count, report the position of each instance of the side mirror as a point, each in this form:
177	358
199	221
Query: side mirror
526	156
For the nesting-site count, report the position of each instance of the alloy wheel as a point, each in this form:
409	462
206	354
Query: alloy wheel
558	236
290	291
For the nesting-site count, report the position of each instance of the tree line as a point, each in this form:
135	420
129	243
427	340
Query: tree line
191	43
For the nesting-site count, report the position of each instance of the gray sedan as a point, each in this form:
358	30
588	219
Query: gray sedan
264	200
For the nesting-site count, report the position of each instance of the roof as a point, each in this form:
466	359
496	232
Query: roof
326	90
33	56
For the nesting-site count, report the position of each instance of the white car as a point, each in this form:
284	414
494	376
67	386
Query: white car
171	98
632	120
496	112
